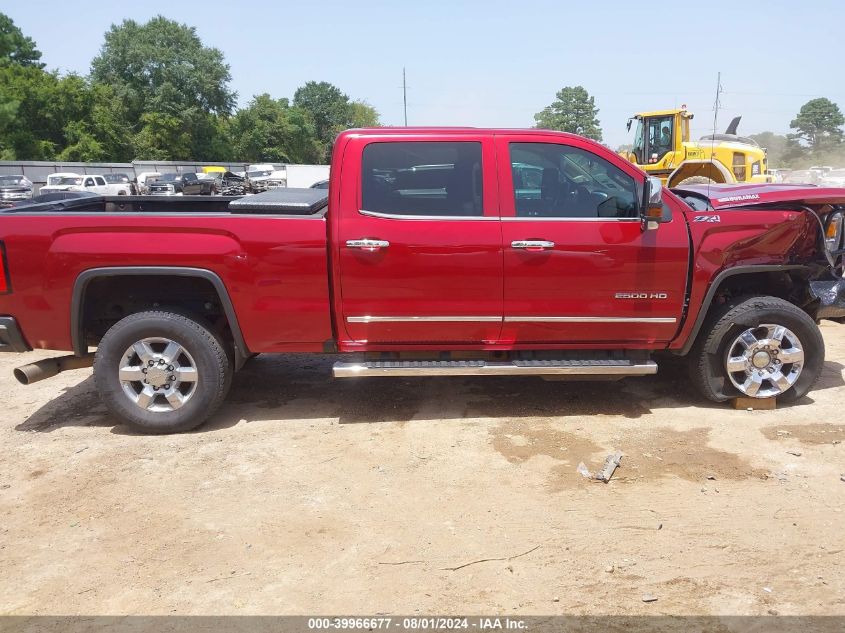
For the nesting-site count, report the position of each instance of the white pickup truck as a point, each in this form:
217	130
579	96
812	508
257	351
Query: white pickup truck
92	183
75	182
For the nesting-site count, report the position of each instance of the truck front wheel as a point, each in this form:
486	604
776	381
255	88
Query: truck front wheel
757	347
161	372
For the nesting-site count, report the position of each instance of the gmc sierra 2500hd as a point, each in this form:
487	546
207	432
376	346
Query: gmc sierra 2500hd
433	252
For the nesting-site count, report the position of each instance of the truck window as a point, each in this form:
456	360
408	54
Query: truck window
89	182
440	178
189	177
559	181
100	180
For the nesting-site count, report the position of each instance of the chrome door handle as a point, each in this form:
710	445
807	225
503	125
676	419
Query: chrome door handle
532	244
367	244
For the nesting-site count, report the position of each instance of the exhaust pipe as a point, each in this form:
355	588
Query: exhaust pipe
49	367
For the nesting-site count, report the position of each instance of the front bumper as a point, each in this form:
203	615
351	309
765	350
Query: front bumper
11	339
831	297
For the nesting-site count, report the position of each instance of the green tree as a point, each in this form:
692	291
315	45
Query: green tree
172	89
819	123
162	137
40	112
328	107
163	66
110	125
270	130
362	114
573	110
332	112
15	47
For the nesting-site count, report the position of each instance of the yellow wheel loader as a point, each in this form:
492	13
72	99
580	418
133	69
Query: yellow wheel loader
662	147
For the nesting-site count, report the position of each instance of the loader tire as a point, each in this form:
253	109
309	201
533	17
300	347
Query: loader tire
698	180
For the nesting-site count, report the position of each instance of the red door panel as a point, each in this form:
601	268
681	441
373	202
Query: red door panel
409	276
586	280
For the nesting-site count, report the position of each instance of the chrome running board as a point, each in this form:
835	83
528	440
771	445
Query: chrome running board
485	368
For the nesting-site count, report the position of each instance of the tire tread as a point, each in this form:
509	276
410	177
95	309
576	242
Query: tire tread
223	374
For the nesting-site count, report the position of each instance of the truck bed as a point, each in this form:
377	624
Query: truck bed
285	201
271	258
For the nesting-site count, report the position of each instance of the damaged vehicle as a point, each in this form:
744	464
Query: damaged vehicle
434	252
263	177
232	185
14	189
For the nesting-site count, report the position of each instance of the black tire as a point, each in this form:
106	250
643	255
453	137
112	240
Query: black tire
697	180
213	369
708	355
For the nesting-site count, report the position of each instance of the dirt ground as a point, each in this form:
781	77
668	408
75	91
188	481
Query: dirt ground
306	495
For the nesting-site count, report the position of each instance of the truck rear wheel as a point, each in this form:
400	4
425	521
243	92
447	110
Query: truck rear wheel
757	347
161	372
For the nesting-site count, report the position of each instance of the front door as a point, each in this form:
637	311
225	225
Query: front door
578	267
419	243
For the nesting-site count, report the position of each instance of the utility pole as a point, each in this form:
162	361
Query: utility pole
405	96
717	104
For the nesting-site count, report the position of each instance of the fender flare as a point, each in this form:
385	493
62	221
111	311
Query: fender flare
714	286
728	176
85	277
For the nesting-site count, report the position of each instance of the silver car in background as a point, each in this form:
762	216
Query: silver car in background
14	189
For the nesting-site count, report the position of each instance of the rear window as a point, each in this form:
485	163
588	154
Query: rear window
423	178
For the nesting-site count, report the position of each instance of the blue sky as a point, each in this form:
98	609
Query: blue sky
497	63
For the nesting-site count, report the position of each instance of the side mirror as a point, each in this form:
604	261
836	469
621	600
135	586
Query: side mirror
652	209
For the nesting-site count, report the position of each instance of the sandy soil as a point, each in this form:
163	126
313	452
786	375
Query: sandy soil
305	495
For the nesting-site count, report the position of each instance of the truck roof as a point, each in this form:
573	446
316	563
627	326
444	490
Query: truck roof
434	131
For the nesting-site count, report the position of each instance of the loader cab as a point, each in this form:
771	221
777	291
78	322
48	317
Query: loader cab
658	133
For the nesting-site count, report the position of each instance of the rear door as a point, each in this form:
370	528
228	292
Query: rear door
578	268
418	241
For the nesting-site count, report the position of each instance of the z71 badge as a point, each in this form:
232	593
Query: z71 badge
713	219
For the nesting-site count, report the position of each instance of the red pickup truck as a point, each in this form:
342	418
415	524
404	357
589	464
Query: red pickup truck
433	252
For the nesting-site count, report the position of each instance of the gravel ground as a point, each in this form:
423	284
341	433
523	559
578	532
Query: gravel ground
305	495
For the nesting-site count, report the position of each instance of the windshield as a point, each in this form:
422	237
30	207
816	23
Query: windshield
116	178
659	137
69	181
259	174
168	178
7	181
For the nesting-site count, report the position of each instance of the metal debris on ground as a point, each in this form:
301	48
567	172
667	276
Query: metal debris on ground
647	597
796	453
610	465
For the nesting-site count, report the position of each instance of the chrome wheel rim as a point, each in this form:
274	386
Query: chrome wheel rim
764	361
158	374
